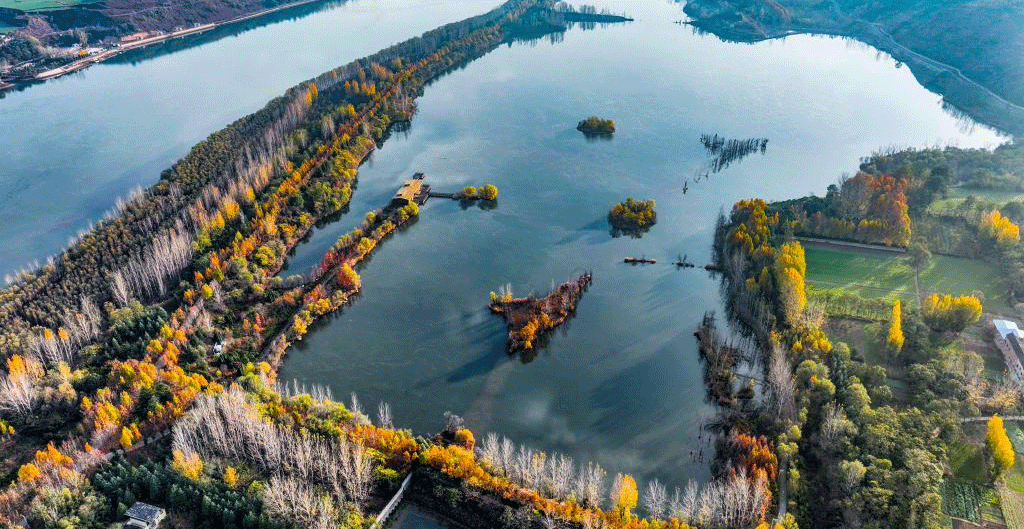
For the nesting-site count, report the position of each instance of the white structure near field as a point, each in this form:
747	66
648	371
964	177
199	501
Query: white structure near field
1010	341
144	516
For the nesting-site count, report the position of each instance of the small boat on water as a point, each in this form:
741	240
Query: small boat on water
639	260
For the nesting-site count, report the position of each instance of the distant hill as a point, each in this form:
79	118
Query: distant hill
939	39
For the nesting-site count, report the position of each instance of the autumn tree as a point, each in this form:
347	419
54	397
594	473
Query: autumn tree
999	444
624	494
790	268
1000	228
230	476
951	313
489	192
894	341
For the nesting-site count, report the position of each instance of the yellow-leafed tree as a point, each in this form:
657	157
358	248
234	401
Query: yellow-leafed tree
230	476
28	472
895	338
790	268
951	313
999	444
190	465
1000	228
127	438
624	494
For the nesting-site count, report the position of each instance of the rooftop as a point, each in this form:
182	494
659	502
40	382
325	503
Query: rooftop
1007	327
144	512
409	189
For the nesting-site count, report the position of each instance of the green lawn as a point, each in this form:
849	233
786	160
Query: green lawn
967	461
957	195
878	275
39	5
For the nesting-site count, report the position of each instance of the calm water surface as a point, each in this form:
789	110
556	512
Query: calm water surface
620	383
70	146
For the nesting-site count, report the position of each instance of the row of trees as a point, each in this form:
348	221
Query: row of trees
555	486
867	207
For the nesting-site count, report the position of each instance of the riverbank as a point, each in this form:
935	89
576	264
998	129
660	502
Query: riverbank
118	49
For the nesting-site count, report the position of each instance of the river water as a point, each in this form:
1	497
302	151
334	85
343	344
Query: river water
620	383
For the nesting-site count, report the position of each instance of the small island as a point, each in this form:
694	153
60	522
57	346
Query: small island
531	317
487	192
632	216
597	126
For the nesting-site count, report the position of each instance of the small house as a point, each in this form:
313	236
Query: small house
412	191
144	516
1010	340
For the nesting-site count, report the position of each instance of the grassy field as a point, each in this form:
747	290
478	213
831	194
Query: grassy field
967	461
38	5
957	195
878	275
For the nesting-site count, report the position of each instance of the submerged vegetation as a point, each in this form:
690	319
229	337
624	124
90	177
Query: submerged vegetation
725	152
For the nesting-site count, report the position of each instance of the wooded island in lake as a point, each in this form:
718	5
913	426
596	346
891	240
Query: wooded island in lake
596	125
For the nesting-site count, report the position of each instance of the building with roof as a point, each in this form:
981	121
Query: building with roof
412	191
1010	340
144	516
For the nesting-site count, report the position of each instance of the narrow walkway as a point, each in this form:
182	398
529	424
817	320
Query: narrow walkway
855	245
965	420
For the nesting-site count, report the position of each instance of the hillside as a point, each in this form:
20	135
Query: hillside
966	50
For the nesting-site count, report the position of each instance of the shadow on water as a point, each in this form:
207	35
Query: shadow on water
625	400
598	138
479	366
594	229
631	233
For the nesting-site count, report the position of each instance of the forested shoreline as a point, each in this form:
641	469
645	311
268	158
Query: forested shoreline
176	291
856	454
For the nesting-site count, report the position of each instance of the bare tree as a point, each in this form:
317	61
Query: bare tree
590	485
384	415
654	499
19	394
780	387
227	426
453	423
357	411
834	423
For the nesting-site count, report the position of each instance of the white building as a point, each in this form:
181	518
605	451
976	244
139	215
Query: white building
1010	341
